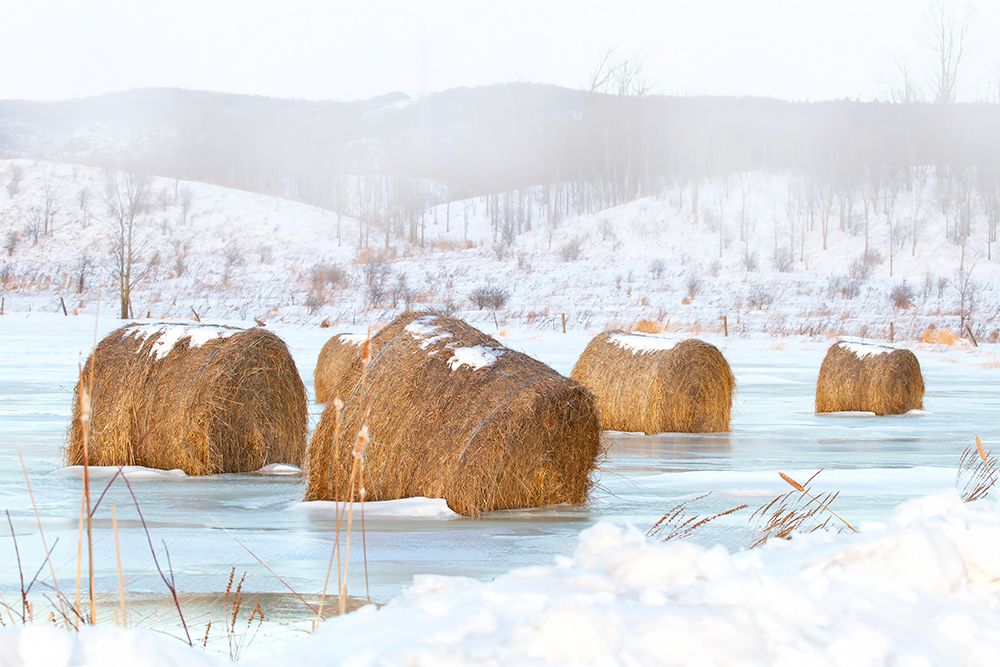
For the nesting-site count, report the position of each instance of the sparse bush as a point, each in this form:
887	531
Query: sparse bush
401	292
571	250
693	286
844	287
942	285
82	271
499	250
783	260
523	262
863	267
758	297
266	253
902	296
327	276
10	241
493	298
657	267
376	276
234	256
927	287
14	178
750	262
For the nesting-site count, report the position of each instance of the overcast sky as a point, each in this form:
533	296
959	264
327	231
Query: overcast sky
792	49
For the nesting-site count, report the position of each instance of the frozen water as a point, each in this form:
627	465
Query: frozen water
874	462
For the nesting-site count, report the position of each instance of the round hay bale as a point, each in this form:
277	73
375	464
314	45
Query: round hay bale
204	399
862	376
654	384
338	356
454	414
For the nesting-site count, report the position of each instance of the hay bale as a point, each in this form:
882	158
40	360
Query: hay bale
200	398
338	356
859	375
654	384
453	414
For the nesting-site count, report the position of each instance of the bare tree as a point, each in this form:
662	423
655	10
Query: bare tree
947	29
48	204
614	76
967	289
14	180
126	197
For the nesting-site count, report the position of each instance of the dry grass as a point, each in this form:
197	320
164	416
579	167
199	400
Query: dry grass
648	326
514	434
678	524
886	384
939	337
977	473
798	511
687	389
233	404
336	360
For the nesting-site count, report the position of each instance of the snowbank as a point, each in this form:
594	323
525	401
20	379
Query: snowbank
921	589
171	334
862	347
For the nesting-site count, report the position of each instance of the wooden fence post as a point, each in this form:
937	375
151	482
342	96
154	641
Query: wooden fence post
563	316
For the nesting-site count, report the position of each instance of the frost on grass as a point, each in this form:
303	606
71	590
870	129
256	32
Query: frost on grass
640	343
863	347
171	334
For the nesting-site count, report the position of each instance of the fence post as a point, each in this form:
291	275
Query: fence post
563	316
892	332
725	325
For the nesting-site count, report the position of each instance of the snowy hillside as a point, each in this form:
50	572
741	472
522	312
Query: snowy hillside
665	258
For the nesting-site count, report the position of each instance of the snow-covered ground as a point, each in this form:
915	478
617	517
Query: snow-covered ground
875	463
237	255
919	589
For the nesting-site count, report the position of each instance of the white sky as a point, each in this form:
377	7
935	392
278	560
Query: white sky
792	49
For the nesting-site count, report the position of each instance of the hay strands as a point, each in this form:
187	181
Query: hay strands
977	473
678	524
798	511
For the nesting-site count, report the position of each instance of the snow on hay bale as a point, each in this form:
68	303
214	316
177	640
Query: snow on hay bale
454	414
654	384
338	356
859	375
204	399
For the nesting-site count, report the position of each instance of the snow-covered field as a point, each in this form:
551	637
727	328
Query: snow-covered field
556	585
229	254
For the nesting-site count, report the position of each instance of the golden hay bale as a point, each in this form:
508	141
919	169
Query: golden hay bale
338	356
656	385
454	414
859	375
203	399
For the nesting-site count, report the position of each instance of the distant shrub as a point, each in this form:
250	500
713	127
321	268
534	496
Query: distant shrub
939	337
863	267
783	260
693	286
758	297
572	250
843	287
657	267
902	296
648	326
493	298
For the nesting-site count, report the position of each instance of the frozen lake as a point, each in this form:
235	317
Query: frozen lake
874	462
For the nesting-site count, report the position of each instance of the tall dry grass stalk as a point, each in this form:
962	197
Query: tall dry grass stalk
677	524
977	473
798	511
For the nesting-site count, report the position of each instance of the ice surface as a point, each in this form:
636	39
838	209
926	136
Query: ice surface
875	463
639	343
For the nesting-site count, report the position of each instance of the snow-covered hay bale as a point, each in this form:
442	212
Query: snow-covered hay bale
654	384
454	414
204	399
863	376
339	355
